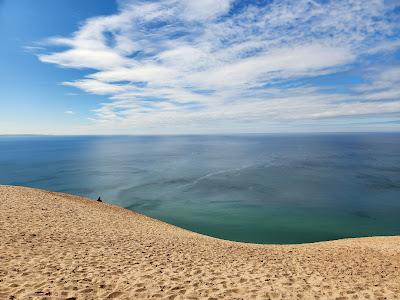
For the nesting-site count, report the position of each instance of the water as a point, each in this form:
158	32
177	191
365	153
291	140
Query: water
254	188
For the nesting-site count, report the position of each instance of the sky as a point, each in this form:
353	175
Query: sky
199	67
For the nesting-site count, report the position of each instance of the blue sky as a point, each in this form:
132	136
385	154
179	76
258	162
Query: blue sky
178	67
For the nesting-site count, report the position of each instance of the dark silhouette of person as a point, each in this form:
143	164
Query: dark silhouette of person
99	200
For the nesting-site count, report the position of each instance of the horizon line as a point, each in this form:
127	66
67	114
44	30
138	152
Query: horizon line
197	134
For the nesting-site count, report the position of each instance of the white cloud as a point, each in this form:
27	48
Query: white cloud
174	63
97	87
85	58
386	46
205	9
69	112
277	63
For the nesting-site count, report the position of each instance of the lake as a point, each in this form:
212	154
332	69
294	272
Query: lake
289	188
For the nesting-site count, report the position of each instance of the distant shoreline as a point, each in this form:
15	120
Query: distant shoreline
203	134
60	245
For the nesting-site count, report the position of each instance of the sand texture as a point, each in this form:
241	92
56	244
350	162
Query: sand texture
58	246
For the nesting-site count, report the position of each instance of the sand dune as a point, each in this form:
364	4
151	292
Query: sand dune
58	246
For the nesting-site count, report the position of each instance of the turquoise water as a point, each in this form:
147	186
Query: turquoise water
253	188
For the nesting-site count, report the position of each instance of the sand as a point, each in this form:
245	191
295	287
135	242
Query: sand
58	246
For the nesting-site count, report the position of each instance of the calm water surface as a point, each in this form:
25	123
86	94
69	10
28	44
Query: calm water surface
255	188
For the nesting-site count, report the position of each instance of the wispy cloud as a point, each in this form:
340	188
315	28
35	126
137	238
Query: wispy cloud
69	112
207	64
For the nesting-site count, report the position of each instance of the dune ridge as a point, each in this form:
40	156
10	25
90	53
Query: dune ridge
59	246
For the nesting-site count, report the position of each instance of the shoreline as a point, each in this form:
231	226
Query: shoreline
78	197
114	206
57	246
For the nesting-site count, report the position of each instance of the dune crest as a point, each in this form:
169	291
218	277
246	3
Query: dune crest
59	246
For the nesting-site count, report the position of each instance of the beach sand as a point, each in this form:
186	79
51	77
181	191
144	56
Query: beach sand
58	246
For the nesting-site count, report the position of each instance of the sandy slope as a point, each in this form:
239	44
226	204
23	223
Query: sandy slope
58	246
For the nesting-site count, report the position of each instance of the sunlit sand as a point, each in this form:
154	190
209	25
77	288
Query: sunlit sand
58	246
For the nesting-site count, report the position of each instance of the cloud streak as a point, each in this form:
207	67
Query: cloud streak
192	65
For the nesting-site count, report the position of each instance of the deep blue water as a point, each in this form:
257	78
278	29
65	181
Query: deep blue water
254	188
